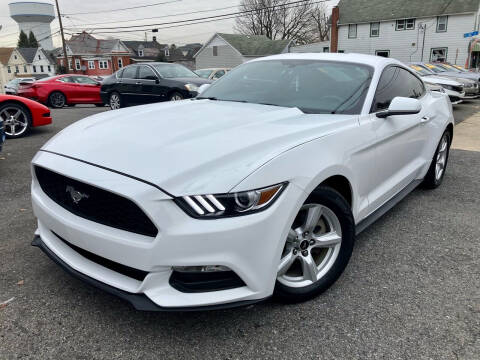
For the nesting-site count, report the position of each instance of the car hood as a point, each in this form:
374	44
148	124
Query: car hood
193	80
192	146
472	76
446	80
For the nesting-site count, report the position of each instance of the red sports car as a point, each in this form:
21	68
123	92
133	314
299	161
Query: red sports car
58	91
19	115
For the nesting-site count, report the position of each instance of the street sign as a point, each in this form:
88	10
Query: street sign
470	34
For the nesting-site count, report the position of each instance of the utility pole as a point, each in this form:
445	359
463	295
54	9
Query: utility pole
63	37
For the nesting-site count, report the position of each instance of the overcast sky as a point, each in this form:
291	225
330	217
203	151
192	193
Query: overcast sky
100	11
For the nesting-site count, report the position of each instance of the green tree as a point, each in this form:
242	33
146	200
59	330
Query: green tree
32	40
23	40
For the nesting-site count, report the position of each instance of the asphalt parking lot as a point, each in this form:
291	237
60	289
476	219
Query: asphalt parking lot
411	290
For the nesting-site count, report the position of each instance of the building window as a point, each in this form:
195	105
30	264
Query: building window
215	51
39	57
15	57
439	54
102	64
16	69
120	63
341	51
77	64
61	62
24	68
9	69
383	53
167	52
405	24
49	68
41	68
352	31
70	64
91	64
326	49
375	29
34	68
140	52
442	23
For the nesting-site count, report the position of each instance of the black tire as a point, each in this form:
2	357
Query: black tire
431	181
57	100
12	107
115	101
331	199
176	96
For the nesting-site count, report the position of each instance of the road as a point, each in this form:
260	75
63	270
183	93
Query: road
411	290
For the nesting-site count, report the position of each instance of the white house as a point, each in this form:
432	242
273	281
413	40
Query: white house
230	50
5	54
30	62
407	30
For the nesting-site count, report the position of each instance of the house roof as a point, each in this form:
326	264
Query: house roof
362	11
85	43
28	53
255	45
134	45
5	54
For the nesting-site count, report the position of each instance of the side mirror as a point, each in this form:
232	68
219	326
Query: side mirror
202	88
401	106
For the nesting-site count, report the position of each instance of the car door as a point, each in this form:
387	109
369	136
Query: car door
88	89
67	85
128	87
401	139
148	80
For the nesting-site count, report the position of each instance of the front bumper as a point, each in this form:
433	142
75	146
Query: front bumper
249	245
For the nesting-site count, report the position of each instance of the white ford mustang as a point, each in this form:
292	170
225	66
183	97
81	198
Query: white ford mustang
256	187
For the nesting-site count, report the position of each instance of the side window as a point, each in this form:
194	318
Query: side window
395	82
219	74
145	73
84	80
66	79
129	72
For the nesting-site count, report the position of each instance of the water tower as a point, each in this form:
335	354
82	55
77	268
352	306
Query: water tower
35	17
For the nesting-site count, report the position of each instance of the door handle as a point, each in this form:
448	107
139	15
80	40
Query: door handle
425	119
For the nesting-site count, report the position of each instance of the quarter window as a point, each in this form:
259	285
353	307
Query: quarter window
394	82
442	22
375	29
438	55
352	31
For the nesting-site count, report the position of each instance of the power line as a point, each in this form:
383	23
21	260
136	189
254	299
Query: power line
123	9
200	20
163	16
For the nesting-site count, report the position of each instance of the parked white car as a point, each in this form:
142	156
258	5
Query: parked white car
213	73
453	87
257	187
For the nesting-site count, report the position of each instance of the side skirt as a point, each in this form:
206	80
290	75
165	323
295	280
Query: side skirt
377	214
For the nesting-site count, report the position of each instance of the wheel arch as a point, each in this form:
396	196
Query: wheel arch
449	128
340	184
16	102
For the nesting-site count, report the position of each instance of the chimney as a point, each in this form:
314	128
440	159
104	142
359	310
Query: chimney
334	30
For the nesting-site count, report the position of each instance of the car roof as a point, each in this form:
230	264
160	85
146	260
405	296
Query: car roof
372	60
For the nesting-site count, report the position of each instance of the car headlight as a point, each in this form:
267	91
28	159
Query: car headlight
231	204
191	87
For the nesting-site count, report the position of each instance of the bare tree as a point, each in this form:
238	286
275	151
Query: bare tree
320	21
280	19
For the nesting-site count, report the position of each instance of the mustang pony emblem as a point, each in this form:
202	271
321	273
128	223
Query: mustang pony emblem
76	195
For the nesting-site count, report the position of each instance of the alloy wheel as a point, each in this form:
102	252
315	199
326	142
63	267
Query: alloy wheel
114	102
441	158
312	246
176	97
57	100
15	120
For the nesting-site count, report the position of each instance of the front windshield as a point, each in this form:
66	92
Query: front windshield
204	73
421	70
320	87
434	68
448	67
170	71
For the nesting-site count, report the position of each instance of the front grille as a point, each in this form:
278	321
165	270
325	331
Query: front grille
136	274
95	204
457	89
